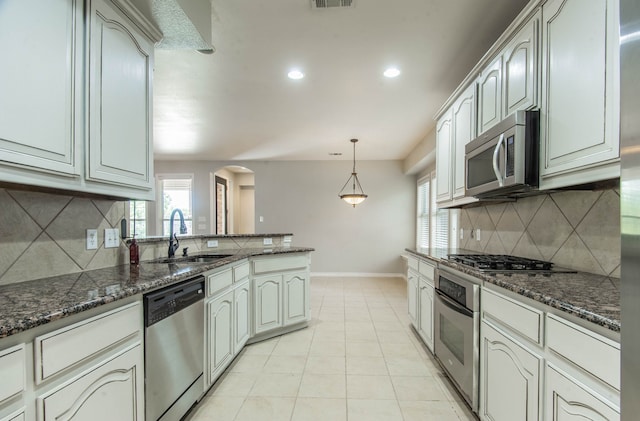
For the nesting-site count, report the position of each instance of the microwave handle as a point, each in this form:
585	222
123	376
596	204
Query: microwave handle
496	155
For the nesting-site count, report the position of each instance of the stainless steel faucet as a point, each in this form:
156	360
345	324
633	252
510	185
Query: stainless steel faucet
173	238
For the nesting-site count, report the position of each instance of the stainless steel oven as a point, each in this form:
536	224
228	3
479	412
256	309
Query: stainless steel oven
457	343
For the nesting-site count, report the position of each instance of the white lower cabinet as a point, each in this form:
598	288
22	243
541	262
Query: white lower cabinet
296	298
412	297
241	313
420	290
280	293
425	298
510	379
220	331
536	365
569	400
268	304
112	390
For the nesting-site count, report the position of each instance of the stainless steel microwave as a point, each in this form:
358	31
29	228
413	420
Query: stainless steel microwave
503	161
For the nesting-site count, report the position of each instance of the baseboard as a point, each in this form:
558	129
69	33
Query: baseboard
356	275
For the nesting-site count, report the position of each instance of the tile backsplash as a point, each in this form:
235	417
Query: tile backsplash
45	234
573	229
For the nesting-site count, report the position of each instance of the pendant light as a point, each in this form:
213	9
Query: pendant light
356	196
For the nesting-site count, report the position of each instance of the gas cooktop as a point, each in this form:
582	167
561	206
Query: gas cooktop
500	263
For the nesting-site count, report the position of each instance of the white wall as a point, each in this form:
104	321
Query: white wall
301	197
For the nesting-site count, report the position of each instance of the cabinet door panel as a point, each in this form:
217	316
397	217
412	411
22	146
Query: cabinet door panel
220	334
510	379
567	400
38	91
412	298
120	107
521	69
579	106
296	298
490	96
463	132
426	314
112	391
268	310
443	158
241	302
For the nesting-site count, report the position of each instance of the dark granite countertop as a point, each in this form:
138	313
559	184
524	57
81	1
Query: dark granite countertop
155	239
26	305
595	298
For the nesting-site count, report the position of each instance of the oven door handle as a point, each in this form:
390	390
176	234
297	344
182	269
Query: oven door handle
454	305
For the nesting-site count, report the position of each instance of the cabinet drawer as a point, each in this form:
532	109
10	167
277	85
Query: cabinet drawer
12	372
593	353
427	270
241	272
17	416
66	347
219	281
278	264
521	318
412	262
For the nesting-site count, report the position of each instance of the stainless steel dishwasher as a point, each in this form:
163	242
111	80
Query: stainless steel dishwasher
174	349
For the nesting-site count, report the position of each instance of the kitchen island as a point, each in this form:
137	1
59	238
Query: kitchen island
75	345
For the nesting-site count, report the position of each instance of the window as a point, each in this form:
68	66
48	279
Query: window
424	204
138	218
175	193
433	224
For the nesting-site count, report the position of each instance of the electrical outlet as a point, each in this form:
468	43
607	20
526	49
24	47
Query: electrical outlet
477	234
262	219
111	236
212	243
287	239
462	233
267	241
92	239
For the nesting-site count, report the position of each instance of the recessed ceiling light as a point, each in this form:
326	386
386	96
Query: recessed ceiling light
391	72
295	74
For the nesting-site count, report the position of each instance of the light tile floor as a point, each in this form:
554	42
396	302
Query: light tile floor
357	360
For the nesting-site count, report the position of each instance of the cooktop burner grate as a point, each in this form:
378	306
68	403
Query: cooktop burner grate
499	262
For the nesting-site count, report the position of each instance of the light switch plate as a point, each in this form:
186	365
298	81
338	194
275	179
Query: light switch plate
92	239
111	237
477	234
212	243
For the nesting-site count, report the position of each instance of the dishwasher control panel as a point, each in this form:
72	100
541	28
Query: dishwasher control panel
163	303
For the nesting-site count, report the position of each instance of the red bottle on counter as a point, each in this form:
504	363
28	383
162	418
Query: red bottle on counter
134	252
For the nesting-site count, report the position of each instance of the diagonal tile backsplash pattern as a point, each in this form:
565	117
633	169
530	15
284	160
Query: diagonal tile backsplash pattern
574	229
45	234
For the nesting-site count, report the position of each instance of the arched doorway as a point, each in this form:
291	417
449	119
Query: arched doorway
233	200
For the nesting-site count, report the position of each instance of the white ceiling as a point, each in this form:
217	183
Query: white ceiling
238	103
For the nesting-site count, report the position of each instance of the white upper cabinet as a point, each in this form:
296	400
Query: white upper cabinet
510	82
580	91
490	95
120	149
443	158
520	69
41	91
75	108
463	113
455	129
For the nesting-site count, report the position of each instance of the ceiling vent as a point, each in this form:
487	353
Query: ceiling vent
326	4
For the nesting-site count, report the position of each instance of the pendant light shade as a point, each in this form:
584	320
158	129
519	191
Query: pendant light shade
356	195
